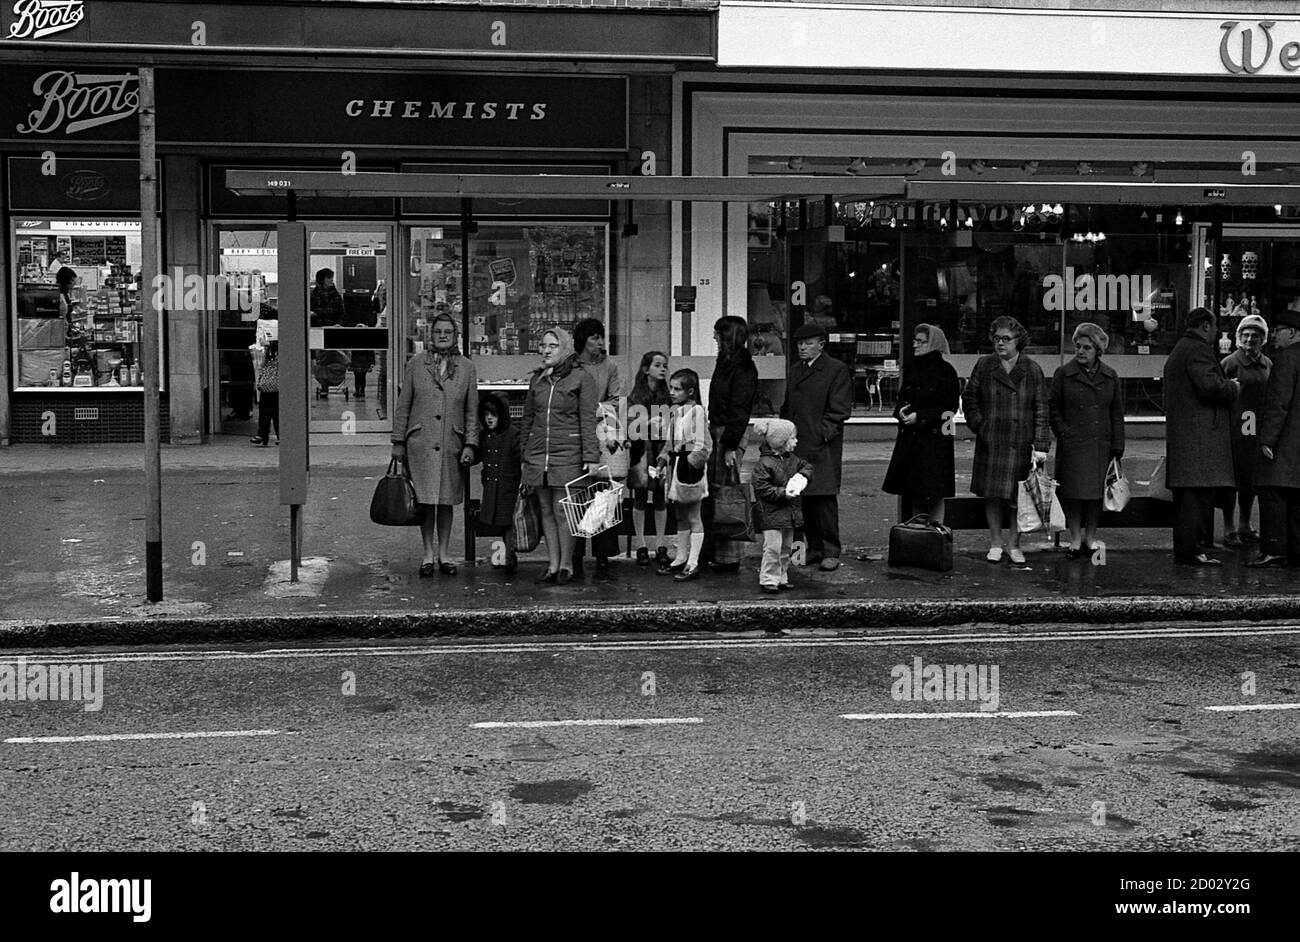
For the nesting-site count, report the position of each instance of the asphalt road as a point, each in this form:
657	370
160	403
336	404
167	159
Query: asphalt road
377	748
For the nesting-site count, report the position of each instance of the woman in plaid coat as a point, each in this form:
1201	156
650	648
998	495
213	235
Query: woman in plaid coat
1006	406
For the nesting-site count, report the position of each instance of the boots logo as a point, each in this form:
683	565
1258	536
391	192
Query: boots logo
74	101
36	19
86	185
1246	51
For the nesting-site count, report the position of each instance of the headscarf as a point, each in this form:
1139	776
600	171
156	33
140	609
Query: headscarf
1094	333
1252	320
445	363
565	352
938	341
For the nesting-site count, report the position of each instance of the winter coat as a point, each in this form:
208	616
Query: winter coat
609	386
648	435
1279	428
922	463
1198	412
773	510
688	434
1088	422
558	430
1008	412
326	306
436	418
1254	383
500	476
819	401
732	390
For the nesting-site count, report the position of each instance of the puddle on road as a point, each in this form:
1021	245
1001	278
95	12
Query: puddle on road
1258	769
458	813
564	791
831	836
1007	783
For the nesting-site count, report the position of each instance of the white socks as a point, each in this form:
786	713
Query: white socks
697	543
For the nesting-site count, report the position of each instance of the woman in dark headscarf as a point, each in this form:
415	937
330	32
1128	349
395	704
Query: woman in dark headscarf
922	468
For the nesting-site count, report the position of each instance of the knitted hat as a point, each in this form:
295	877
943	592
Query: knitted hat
1253	320
776	432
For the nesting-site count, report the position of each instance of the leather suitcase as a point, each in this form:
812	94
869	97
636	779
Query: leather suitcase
921	544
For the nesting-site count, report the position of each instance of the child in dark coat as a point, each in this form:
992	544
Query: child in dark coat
778	480
499	451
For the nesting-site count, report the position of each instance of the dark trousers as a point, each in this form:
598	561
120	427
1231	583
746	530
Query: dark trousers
268	411
1279	522
1193	506
821	525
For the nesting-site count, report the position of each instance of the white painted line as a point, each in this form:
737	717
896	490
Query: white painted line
1009	715
1243	707
124	737
540	724
687	644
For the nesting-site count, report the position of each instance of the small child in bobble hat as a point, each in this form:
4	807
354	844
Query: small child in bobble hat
778	480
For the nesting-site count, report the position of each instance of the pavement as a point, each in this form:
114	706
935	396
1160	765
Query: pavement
72	564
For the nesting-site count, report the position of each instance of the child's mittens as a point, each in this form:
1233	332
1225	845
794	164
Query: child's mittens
795	486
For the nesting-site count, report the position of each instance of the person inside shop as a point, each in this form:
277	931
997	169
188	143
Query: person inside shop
1087	417
268	396
379	307
326	304
1278	474
1250	367
436	432
69	309
1006	406
822	314
819	401
58	261
589	342
1198	445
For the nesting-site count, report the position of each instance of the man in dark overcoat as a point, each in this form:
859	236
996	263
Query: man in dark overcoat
1198	444
819	400
1278	474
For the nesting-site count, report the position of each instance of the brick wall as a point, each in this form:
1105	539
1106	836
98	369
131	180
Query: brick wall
106	418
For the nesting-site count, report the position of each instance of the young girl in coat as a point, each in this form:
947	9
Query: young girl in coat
500	455
683	460
778	480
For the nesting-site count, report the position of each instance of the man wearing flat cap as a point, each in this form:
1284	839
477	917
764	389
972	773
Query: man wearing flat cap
1278	473
1198	445
818	400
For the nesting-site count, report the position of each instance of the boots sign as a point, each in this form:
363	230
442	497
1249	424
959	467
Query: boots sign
36	19
72	101
1246	50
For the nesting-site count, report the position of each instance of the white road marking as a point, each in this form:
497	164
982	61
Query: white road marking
667	644
125	737
540	724
1243	707
1008	715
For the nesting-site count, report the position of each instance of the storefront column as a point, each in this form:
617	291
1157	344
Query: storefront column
185	329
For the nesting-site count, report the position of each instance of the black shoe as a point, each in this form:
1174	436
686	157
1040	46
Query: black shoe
670	569
1073	553
812	559
784	587
688	574
643	556
447	569
427	569
1200	559
1268	562
260	441
771	589
547	578
661	557
564	577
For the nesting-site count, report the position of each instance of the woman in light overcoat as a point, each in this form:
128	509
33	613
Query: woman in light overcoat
436	432
1005	402
1088	421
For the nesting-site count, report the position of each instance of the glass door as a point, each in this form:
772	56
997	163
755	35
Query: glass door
246	258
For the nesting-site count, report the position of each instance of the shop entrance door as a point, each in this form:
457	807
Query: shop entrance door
1251	270
348	335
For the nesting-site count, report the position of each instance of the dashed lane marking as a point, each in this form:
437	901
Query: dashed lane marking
541	724
127	737
1244	707
991	714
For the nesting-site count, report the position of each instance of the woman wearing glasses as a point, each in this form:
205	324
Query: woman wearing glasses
436	432
1006	406
558	433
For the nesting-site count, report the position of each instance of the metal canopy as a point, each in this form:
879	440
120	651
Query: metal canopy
319	183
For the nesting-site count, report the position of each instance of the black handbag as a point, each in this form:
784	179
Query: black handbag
394	503
922	544
733	510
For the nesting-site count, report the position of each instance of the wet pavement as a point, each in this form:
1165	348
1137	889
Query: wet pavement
72	566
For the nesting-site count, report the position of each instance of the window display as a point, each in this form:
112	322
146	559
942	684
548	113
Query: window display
78	304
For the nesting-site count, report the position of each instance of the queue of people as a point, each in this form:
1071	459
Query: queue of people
1233	438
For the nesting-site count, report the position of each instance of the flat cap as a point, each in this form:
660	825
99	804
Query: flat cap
810	330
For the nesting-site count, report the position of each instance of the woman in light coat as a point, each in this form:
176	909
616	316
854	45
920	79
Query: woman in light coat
1005	401
1087	413
436	432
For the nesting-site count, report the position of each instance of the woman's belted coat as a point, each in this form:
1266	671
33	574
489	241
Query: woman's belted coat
436	418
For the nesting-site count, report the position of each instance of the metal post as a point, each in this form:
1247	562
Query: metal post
150	349
295	463
466	227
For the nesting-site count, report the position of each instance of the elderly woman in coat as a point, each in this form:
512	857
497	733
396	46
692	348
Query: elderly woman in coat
1087	414
558	436
922	468
1249	366
436	432
1005	402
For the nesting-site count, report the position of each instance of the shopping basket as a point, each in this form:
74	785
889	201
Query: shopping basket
592	508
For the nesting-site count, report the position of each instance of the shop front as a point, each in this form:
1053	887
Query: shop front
1056	189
